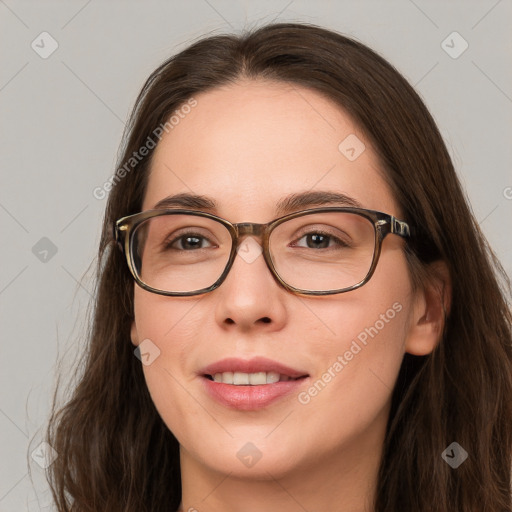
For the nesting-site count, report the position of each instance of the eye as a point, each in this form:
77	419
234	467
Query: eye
187	242
320	240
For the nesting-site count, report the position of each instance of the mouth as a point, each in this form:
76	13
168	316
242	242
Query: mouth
251	379
251	390
257	371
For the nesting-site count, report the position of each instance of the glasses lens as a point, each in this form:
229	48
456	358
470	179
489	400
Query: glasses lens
323	251
180	253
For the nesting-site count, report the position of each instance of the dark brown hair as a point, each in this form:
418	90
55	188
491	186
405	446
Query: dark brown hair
116	453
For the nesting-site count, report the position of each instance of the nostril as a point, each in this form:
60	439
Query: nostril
266	320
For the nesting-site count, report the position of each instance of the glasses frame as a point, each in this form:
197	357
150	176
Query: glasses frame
383	224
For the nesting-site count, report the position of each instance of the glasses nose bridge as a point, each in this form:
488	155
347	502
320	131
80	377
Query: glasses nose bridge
244	229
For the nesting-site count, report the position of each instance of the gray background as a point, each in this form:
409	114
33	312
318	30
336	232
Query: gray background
61	124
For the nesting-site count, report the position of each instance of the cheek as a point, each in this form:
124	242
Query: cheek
167	330
358	362
362	344
162	319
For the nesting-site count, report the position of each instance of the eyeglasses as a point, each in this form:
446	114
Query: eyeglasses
320	251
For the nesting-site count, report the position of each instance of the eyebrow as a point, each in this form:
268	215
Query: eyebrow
288	204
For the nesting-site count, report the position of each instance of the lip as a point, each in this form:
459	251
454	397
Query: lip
251	398
257	364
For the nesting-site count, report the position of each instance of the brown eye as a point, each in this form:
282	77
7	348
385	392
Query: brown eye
319	240
188	242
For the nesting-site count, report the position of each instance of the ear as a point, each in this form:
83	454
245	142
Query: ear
430	310
134	335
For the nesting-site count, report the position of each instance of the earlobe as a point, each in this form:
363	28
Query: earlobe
430	311
134	335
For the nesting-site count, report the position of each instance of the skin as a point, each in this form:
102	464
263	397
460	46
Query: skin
248	145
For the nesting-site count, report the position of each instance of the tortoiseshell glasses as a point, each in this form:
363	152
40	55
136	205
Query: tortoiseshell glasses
320	251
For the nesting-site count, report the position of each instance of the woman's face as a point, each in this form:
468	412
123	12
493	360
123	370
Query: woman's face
248	146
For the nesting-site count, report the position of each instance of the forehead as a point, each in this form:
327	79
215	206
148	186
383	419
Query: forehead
249	144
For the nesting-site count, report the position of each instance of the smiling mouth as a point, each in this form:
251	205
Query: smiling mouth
250	379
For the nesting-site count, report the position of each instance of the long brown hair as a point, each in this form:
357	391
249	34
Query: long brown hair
116	453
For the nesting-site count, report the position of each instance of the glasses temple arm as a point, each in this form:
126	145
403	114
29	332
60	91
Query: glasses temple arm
399	227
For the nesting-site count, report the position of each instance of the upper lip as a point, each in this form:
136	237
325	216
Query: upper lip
255	365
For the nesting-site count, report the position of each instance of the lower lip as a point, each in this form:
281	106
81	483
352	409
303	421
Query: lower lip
250	398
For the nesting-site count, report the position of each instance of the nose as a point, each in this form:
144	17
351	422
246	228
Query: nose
250	295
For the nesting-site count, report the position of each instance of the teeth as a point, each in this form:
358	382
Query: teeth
258	378
240	379
246	379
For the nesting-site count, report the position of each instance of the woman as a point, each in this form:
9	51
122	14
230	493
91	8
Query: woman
349	350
